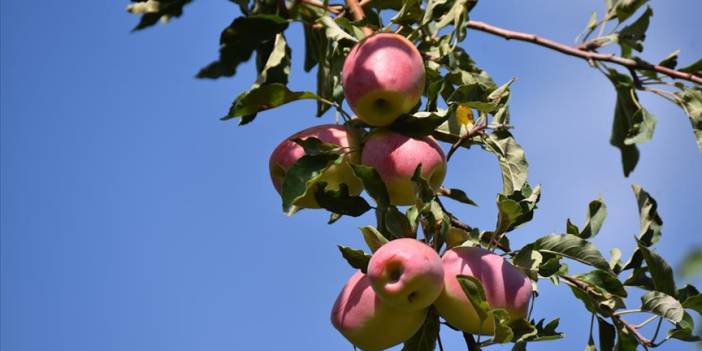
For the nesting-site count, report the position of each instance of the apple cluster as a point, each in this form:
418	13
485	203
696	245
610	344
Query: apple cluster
383	78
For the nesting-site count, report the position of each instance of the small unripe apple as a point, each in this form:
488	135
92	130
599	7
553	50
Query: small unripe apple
383	77
505	287
288	152
368	322
396	156
407	274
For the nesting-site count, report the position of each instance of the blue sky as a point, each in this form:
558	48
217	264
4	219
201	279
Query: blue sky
133	219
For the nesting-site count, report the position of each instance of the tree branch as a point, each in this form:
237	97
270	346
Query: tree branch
581	52
358	15
470	342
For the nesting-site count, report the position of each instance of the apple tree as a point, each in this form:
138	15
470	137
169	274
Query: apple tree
400	84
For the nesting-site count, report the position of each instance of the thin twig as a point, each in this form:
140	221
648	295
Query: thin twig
470	342
475	131
581	53
358	15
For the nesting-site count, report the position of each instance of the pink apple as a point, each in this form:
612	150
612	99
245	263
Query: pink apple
505	287
369	323
288	152
383	77
396	156
407	274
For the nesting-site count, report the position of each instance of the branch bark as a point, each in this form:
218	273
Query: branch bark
582	52
358	15
470	342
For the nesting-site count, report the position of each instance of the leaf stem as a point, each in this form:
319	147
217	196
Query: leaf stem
622	312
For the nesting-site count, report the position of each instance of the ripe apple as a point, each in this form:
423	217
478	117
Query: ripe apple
407	274
505	287
288	152
383	77
369	323
396	156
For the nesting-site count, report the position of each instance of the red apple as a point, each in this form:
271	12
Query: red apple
288	152
383	77
369	323
407	274
505	287
396	156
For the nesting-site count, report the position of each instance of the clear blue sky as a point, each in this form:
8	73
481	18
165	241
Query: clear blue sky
133	219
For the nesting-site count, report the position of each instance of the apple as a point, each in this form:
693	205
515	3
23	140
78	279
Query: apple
406	273
288	152
368	322
396	156
505	287
383	77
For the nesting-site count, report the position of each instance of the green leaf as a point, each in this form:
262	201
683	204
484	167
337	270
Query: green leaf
631	124
671	60
239	40
572	228
373	238
547	332
692	263
276	67
604	280
690	99
592	22
510	155
356	258
529	261
457	15
264	98
410	13
372	183
686	292
313	39
427	335
339	201
476	295
397	223
517	208
522	330
503	333
420	123
458	195
331	61
694	303
651	222
596	214
663	305
314	146
301	174
573	247
334	32
694	68
607	334
152	11
623	9
661	272
625	341
633	35
424	192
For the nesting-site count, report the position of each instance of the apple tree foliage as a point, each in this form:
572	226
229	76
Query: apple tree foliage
464	107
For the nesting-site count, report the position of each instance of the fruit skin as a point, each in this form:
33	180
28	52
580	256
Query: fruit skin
396	156
383	77
505	287
406	274
288	152
369	323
